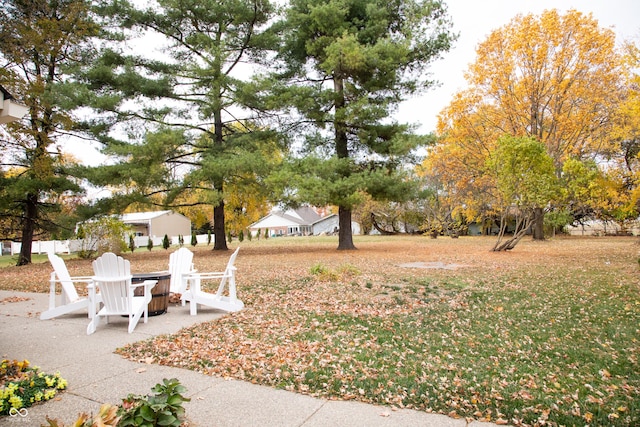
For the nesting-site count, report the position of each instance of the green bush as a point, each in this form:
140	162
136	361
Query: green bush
103	234
132	243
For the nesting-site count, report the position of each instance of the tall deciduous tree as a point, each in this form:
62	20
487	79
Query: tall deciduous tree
38	39
348	65
552	77
626	134
198	84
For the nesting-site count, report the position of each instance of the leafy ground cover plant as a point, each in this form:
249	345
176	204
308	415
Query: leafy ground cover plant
164	408
23	385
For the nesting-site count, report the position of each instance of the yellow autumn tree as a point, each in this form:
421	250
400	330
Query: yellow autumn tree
624	165
551	77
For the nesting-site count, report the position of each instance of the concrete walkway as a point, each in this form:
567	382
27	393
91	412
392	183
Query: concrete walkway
96	375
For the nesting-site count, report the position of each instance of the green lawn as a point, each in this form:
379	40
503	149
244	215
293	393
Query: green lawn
11	260
545	335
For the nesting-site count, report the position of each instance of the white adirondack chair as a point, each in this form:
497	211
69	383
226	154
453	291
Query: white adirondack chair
113	278
180	263
68	300
191	287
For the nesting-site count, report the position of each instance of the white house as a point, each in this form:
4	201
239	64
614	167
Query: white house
303	221
292	222
157	224
9	109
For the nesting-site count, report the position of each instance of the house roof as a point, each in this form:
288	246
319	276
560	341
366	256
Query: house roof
5	93
303	216
325	218
300	216
142	216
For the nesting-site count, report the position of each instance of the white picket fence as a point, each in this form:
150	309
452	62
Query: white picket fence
70	246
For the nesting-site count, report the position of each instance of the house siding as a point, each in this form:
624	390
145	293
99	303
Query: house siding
157	224
171	224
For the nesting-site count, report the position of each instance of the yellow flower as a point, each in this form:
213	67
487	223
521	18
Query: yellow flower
50	381
62	384
16	402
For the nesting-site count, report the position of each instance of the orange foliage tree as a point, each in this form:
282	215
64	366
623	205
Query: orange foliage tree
624	170
552	77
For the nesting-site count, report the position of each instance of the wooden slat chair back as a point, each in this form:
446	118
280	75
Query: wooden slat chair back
68	300
195	295
113	278
180	264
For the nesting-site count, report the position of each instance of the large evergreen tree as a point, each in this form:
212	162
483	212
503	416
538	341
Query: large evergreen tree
348	63
191	99
38	40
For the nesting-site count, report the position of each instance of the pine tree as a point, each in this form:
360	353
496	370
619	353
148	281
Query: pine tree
351	62
39	43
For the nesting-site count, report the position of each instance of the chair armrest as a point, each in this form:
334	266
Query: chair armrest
110	278
208	275
145	283
87	279
81	278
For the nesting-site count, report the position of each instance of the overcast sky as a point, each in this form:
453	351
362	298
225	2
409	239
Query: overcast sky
474	20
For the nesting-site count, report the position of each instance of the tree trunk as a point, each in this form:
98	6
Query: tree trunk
345	238
220	243
220	238
538	224
522	225
377	226
345	235
28	227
